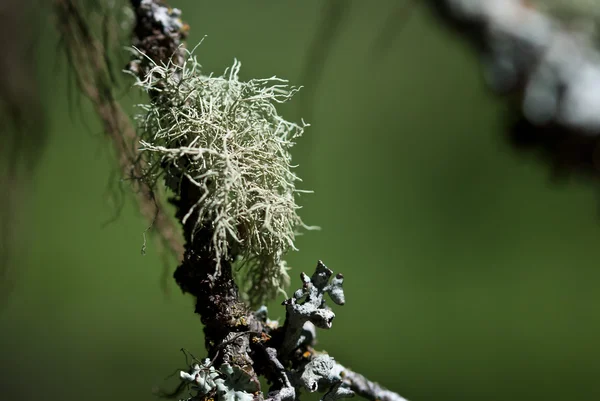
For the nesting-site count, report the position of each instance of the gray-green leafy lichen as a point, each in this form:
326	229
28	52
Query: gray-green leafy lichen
228	383
308	307
291	362
203	376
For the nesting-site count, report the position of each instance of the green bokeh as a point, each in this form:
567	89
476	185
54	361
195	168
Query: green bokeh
469	276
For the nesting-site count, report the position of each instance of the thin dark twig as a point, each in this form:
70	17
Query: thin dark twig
393	26
335	12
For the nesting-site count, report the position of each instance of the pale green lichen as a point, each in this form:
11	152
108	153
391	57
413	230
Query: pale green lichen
230	383
226	137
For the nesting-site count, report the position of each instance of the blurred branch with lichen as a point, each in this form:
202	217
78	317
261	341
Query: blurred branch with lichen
220	147
543	57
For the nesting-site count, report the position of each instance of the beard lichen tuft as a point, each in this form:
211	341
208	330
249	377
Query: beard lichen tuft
226	137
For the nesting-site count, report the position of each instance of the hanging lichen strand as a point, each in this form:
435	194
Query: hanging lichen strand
225	136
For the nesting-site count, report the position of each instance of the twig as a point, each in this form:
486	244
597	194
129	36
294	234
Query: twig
370	390
238	341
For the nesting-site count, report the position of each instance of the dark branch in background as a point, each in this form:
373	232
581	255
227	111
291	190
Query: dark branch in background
334	14
393	26
90	64
22	123
242	344
564	153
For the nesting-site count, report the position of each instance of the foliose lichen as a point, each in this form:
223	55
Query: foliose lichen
228	383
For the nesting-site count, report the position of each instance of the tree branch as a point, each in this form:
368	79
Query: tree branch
368	389
241	344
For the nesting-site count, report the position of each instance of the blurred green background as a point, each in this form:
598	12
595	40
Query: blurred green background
469	274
